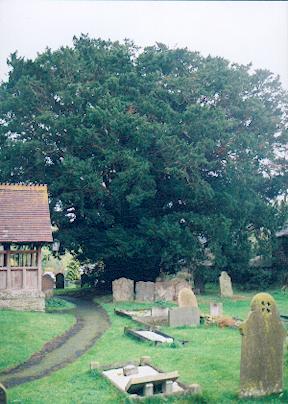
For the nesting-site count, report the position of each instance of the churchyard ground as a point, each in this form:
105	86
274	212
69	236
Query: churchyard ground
211	358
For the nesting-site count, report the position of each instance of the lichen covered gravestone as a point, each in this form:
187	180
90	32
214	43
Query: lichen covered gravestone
145	291
186	298
263	335
123	290
225	285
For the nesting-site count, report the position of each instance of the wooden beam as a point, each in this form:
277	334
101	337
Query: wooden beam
39	266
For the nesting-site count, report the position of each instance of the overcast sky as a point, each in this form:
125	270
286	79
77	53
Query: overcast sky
242	32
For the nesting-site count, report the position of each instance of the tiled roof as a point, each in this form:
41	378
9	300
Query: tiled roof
24	214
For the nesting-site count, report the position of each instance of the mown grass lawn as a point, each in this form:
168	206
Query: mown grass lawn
212	359
23	333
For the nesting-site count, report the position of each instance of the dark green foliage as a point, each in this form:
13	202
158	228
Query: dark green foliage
145	153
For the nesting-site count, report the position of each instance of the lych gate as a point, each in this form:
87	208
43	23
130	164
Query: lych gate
24	227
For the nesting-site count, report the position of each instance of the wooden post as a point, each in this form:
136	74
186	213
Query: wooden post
24	284
7	264
39	266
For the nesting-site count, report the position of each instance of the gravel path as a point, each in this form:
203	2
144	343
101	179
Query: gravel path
92	322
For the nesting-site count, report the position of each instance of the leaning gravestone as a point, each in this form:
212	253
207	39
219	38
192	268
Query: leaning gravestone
59	281
145	291
182	316
263	335
225	285
164	291
186	298
123	290
3	394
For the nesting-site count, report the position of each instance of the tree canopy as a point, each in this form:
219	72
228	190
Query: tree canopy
151	156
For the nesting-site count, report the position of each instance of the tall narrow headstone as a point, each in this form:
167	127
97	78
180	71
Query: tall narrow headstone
225	285
263	335
123	290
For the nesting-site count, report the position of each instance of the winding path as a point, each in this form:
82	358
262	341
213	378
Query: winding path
92	322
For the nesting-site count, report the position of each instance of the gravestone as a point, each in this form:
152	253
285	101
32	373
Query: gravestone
164	291
263	335
48	282
3	394
145	291
216	309
179	285
225	285
181	316
186	298
123	290
59	281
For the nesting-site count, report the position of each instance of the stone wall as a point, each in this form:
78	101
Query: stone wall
24	300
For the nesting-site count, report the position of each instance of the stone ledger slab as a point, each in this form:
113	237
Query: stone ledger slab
182	316
123	290
263	336
145	291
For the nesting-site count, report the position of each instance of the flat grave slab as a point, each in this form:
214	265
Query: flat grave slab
146	316
136	383
151	335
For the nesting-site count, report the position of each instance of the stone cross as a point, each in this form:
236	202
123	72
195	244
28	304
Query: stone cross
263	335
123	290
186	298
225	285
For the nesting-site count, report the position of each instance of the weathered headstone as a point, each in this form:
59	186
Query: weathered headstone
123	290
179	285
60	281
186	298
225	285
145	291
164	291
3	394
216	309
181	316
263	335
48	282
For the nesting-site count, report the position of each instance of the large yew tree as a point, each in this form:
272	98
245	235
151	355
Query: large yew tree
150	156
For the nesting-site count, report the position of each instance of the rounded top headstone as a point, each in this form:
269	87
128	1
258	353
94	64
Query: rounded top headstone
187	298
264	303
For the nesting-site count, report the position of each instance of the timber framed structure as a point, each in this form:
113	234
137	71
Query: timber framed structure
24	227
